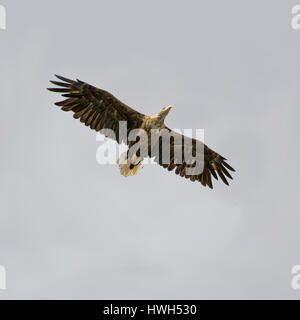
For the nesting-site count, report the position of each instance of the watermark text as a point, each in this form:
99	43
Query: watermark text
296	277
295	22
2	17
2	278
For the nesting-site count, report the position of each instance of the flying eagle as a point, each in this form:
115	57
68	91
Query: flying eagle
100	110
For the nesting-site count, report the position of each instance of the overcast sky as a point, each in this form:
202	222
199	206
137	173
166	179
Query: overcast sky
71	228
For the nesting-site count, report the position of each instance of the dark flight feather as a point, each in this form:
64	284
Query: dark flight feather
97	108
214	164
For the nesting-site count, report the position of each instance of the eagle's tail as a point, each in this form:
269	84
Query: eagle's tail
129	167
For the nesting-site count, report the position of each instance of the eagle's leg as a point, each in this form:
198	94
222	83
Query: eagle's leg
129	166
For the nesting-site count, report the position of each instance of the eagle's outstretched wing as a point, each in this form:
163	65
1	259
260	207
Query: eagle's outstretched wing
213	163
96	108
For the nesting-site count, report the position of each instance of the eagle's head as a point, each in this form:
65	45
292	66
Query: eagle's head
164	111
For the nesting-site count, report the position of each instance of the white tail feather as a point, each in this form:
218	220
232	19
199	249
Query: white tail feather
129	167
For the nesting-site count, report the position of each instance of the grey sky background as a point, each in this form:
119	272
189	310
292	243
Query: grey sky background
70	228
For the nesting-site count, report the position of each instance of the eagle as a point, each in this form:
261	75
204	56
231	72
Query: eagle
101	111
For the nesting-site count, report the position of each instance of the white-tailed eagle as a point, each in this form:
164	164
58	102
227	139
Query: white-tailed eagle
100	110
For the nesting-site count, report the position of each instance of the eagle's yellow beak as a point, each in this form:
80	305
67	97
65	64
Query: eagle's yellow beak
168	108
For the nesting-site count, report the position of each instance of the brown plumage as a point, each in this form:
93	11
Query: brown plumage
99	109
